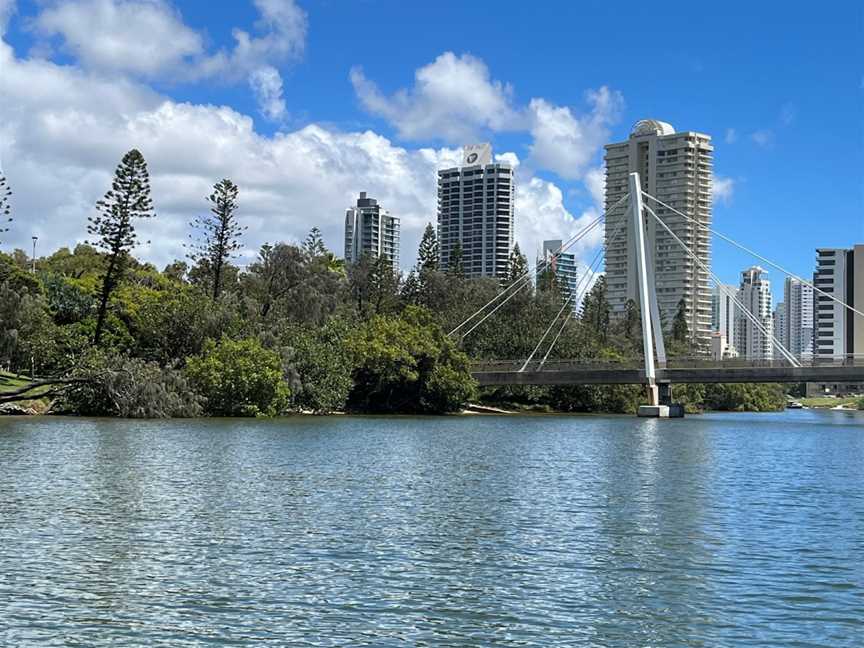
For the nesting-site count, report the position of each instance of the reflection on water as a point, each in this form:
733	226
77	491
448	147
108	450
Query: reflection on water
459	531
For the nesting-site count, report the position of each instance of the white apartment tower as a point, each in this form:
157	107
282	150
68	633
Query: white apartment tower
755	296
838	331
371	230
475	212
798	334
676	168
723	312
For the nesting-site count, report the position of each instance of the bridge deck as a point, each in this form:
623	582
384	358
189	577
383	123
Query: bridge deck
573	374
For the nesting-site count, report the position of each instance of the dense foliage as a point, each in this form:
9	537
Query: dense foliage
239	378
406	363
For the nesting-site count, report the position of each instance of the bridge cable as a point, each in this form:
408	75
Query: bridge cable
783	350
525	278
756	254
581	293
589	268
520	281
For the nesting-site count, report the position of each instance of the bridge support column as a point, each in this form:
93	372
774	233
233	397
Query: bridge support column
652	333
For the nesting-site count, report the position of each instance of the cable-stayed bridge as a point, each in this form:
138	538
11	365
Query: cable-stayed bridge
657	372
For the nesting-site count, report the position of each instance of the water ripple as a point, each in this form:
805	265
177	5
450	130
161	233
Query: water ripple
722	530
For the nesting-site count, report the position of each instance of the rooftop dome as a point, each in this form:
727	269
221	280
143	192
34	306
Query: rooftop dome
651	127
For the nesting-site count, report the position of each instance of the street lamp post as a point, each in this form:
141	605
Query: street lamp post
33	260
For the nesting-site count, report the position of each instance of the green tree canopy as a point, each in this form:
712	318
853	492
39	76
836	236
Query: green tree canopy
407	363
239	378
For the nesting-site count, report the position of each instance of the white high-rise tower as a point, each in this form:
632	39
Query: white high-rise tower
676	168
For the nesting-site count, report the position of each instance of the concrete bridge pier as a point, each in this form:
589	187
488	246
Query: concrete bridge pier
660	403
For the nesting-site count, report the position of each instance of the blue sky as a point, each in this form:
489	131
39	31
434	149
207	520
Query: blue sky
778	86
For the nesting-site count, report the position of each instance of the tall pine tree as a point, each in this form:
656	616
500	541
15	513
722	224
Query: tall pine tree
455	265
5	207
314	244
128	199
517	267
428	255
218	233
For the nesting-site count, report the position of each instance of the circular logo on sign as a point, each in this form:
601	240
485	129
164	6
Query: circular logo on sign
472	158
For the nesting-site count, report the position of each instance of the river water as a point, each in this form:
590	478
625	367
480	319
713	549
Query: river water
717	530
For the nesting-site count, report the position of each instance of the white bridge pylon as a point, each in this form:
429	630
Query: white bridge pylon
652	332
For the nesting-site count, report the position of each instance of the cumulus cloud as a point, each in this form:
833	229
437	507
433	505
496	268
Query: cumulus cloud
541	215
453	98
565	143
142	37
731	136
148	38
722	189
266	83
63	129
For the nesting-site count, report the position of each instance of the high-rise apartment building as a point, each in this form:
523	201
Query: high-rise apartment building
754	294
677	169
838	331
372	230
723	321
475	213
798	332
563	266
781	334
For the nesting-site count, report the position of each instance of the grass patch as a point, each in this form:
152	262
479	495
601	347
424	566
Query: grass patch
823	401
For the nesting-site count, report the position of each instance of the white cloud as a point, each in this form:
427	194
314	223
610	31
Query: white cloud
566	144
722	189
764	137
63	130
266	83
148	38
142	37
731	136
541	215
453	98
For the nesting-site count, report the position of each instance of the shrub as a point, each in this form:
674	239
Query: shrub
239	378
407	364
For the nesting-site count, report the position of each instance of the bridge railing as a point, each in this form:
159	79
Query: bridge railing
689	362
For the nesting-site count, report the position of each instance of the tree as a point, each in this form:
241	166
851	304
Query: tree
517	267
455	266
176	271
314	246
680	338
239	378
219	232
408	364
595	313
5	207
106	384
374	285
429	252
323	366
128	199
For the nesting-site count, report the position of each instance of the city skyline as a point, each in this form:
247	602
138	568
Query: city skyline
364	121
